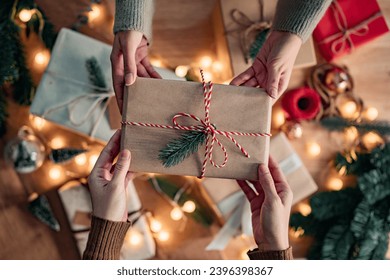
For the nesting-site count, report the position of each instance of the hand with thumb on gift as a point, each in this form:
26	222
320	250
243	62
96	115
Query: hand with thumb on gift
129	58
108	182
270	202
273	64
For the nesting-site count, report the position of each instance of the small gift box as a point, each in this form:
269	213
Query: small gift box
237	27
66	95
347	25
77	204
224	128
232	204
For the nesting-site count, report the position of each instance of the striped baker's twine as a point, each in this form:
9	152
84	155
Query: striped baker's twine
206	127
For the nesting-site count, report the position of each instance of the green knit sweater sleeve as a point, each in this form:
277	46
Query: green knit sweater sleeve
299	16
134	15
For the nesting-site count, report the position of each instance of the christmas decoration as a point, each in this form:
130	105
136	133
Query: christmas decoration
346	26
352	223
15	16
339	124
301	104
293	130
41	209
25	152
64	155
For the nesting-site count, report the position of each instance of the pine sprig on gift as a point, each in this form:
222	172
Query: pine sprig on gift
338	124
65	154
179	149
353	223
258	43
96	76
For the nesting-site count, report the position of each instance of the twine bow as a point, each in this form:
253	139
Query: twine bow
207	128
71	105
341	39
248	27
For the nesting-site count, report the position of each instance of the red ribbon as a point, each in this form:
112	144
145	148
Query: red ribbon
206	127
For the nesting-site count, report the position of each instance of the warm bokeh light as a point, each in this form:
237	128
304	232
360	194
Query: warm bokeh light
205	61
279	118
155	225
244	255
335	183
55	172
163	236
156	62
92	160
370	114
351	134
313	149
348	109
372	140
304	209
181	71
189	206
176	214
57	143
208	76
95	12
217	66
81	159
134	237
37	122
25	15
296	233
42	58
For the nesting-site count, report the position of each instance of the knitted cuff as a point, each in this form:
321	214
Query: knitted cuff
134	15
256	254
299	16
105	239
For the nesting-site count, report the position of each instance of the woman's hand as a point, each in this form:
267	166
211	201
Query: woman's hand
108	182
273	64
270	206
129	57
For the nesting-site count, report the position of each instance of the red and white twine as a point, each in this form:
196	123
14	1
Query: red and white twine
206	127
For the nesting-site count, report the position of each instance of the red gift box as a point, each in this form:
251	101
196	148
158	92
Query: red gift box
348	24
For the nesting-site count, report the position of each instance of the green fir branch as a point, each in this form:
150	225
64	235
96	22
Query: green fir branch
96	76
65	154
339	124
338	243
179	149
258	43
3	113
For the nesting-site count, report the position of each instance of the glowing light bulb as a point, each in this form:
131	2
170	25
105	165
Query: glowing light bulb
92	160
279	119
244	255
189	206
41	58
55	173
335	184
155	226
351	134
134	237
297	233
205	61
304	209
25	15
372	140
176	214
181	71
207	76
370	114
163	236
81	159
313	149
348	109
156	62
217	66
95	12
38	122
57	143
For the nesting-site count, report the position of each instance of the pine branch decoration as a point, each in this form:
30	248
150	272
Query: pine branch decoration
179	149
258	43
96	76
338	124
65	154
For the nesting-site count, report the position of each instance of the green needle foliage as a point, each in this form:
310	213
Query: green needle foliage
179	149
65	154
352	223
338	124
3	113
200	214
258	43
96	76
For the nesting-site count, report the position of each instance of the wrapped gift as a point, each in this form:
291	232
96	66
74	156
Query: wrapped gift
78	207
162	119
237	24
347	25
232	204
65	94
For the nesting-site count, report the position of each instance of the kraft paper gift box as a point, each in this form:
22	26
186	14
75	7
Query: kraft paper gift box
228	34
233	109
78	207
346	25
232	204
